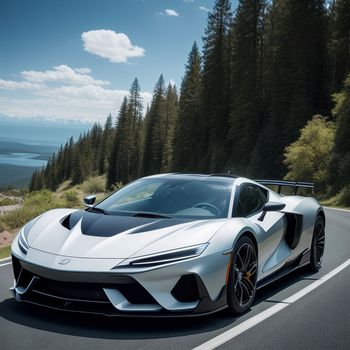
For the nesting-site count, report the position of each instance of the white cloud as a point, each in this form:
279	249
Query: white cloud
111	45
203	8
83	103
170	12
80	97
14	85
83	70
63	74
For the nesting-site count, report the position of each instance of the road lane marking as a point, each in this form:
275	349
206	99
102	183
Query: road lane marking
8	263
253	321
5	259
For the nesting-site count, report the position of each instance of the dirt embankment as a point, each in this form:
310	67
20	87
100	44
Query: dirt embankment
6	237
18	202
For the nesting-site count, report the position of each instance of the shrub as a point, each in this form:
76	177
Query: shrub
308	157
116	187
34	204
94	185
7	201
64	186
71	198
344	197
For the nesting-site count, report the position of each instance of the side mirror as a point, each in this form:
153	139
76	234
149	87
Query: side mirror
271	206
89	200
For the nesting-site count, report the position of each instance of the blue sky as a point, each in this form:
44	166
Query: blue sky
76	59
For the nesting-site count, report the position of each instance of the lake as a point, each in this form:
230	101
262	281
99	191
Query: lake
23	159
26	145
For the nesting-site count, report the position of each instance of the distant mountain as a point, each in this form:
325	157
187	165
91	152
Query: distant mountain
8	147
42	120
40	131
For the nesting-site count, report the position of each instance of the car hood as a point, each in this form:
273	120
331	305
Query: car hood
77	233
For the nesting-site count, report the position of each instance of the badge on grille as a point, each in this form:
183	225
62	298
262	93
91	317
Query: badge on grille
64	261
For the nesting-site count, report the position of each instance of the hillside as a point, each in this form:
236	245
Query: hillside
243	101
33	204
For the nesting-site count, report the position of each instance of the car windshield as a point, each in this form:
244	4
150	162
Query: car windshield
166	197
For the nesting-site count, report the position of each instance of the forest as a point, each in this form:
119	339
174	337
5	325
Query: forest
268	96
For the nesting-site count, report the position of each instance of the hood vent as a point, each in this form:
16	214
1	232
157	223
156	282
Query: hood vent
94	224
65	222
72	219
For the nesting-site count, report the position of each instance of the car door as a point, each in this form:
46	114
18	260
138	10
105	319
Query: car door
273	250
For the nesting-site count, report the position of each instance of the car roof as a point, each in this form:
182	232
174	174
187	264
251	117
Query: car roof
222	177
199	176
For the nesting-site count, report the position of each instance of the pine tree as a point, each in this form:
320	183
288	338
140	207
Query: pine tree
135	120
340	43
297	80
118	163
77	170
105	146
68	159
246	111
170	116
50	174
95	140
185	155
36	182
154	131
215	89
143	131
340	163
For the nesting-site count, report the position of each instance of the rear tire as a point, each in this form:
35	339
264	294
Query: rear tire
317	245
242	277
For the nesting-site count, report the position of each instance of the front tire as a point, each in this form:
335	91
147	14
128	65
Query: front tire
242	277
317	245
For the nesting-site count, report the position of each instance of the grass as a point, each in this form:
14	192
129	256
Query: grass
340	200
93	185
36	203
5	252
7	201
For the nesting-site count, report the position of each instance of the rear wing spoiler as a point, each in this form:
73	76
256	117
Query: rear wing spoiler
292	184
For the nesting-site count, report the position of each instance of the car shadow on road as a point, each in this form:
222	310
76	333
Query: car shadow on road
265	293
94	326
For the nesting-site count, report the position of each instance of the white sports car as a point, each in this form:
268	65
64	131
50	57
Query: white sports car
165	245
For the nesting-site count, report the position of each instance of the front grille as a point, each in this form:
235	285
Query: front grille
75	305
76	296
80	296
71	290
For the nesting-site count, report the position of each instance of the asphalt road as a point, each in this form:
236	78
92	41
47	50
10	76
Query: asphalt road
318	320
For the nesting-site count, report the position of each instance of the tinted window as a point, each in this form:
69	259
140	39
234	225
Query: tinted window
251	200
175	197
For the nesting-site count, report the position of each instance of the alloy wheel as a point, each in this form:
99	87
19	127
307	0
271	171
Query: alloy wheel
245	274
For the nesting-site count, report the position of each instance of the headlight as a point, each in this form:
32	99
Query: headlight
22	241
170	256
23	235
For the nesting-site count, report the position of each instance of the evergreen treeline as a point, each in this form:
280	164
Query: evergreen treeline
265	70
